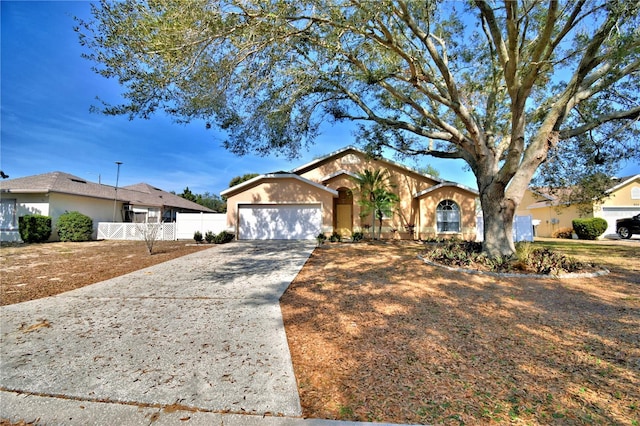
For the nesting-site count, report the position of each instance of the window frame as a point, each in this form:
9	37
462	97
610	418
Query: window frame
444	225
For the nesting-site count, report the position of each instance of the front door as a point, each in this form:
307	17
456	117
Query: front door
344	212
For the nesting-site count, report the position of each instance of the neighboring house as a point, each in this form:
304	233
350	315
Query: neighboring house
550	214
52	194
322	196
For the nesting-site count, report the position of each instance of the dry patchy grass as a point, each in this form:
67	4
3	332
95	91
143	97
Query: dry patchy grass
377	335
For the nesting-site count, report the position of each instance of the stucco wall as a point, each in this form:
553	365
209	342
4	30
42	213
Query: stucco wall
553	218
281	191
428	219
622	197
405	184
25	204
99	210
55	204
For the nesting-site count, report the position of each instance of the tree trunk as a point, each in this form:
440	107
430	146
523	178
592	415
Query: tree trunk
498	213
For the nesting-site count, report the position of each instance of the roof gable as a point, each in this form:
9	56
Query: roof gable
445	185
349	150
623	182
256	180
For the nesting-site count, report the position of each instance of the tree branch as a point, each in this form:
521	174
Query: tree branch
631	114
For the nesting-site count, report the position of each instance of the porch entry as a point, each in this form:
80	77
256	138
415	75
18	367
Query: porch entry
343	212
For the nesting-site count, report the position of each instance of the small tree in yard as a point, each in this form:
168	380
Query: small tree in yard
371	185
507	86
384	205
150	233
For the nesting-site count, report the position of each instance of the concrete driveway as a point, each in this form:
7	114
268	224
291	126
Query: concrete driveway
203	332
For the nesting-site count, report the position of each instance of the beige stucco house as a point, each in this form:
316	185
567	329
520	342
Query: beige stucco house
549	214
52	194
322	196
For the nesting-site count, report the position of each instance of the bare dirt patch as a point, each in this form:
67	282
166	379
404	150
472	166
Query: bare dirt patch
377	335
32	271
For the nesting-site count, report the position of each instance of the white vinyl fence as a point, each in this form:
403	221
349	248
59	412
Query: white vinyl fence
522	228
188	223
135	231
183	228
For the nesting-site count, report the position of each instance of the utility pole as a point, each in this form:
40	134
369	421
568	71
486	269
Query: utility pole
115	198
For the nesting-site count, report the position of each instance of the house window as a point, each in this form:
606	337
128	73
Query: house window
8	220
635	193
448	216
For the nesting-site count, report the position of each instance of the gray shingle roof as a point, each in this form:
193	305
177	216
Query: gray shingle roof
65	183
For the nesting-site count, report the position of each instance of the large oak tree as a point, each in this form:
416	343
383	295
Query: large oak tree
505	85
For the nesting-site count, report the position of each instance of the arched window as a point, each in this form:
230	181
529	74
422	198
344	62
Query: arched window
448	216
635	193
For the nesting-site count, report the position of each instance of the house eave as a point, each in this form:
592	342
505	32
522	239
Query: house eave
445	185
245	185
621	184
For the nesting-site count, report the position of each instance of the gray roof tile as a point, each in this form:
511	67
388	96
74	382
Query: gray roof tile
65	183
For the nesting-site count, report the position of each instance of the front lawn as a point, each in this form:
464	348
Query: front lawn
378	335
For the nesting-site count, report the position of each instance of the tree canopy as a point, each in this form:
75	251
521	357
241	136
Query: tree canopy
507	86
212	201
237	180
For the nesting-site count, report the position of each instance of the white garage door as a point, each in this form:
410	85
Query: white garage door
279	222
610	214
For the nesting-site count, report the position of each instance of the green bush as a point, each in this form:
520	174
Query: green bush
197	236
74	226
223	237
589	229
34	228
321	238
528	258
209	237
357	236
335	237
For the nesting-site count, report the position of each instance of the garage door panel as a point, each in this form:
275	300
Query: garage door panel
270	222
610	214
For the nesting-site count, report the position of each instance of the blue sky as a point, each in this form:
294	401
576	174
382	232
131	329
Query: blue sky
47	89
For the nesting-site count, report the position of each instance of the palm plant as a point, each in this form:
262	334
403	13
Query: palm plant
371	185
384	204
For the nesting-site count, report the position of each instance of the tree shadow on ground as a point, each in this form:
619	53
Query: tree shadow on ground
377	335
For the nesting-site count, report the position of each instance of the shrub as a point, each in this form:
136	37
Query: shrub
545	261
357	236
75	226
197	236
455	253
589	229
468	253
321	238
566	233
335	237
524	251
150	233
223	237
34	228
209	237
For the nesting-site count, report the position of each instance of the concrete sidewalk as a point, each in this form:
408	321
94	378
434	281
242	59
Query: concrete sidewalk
199	339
